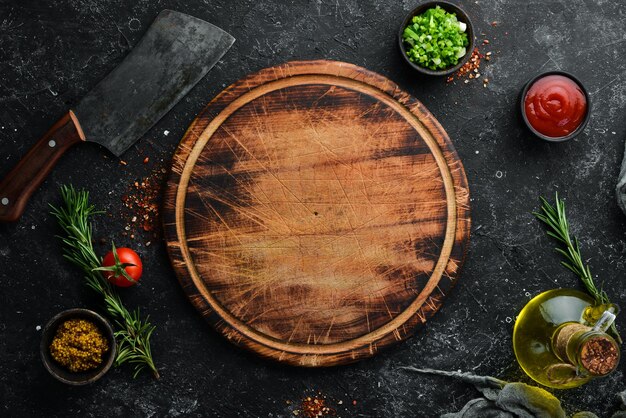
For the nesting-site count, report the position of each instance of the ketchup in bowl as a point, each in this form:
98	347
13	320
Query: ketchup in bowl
555	105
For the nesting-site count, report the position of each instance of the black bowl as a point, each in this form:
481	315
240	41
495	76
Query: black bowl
582	125
450	8
61	373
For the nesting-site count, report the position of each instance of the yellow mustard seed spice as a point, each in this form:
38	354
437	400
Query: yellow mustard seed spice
78	345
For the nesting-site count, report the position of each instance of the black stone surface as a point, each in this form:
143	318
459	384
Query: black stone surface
53	52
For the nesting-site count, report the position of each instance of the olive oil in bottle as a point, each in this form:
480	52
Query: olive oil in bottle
556	342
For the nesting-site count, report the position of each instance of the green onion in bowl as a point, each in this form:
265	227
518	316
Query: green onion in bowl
435	39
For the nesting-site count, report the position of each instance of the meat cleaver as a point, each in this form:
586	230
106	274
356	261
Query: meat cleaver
176	51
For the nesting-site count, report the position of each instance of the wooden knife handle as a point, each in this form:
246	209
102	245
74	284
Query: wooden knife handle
17	187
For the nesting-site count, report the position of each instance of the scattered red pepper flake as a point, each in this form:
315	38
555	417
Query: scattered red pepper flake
145	160
141	203
470	67
314	406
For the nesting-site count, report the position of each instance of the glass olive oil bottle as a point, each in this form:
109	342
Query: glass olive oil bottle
557	344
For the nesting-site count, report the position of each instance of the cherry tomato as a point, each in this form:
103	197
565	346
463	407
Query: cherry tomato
127	261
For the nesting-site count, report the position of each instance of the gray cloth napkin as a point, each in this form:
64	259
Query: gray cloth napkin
620	189
510	400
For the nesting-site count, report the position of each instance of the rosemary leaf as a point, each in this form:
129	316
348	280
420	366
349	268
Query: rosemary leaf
133	334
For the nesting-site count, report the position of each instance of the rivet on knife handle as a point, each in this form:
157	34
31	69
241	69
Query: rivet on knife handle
20	183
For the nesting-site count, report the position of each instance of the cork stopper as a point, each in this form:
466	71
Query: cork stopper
599	355
564	336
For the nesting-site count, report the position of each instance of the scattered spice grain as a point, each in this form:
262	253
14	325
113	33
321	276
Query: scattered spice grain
471	69
471	66
314	406
141	203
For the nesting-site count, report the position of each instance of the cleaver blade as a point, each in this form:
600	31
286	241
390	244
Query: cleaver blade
176	51
172	56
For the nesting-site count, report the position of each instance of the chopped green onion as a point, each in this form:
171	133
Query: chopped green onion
435	39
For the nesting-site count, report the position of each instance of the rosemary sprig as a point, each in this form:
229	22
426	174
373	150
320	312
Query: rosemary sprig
133	334
556	220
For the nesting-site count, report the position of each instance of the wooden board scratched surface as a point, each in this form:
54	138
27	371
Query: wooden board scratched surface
316	213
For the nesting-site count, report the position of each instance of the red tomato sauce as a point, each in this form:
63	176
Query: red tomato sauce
555	105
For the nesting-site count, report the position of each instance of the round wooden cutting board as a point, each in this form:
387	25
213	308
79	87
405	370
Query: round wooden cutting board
316	213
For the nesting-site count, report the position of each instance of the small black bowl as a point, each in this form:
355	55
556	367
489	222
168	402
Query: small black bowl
582	125
61	373
450	8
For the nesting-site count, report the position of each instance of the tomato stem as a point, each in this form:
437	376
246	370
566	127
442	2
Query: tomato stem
118	268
